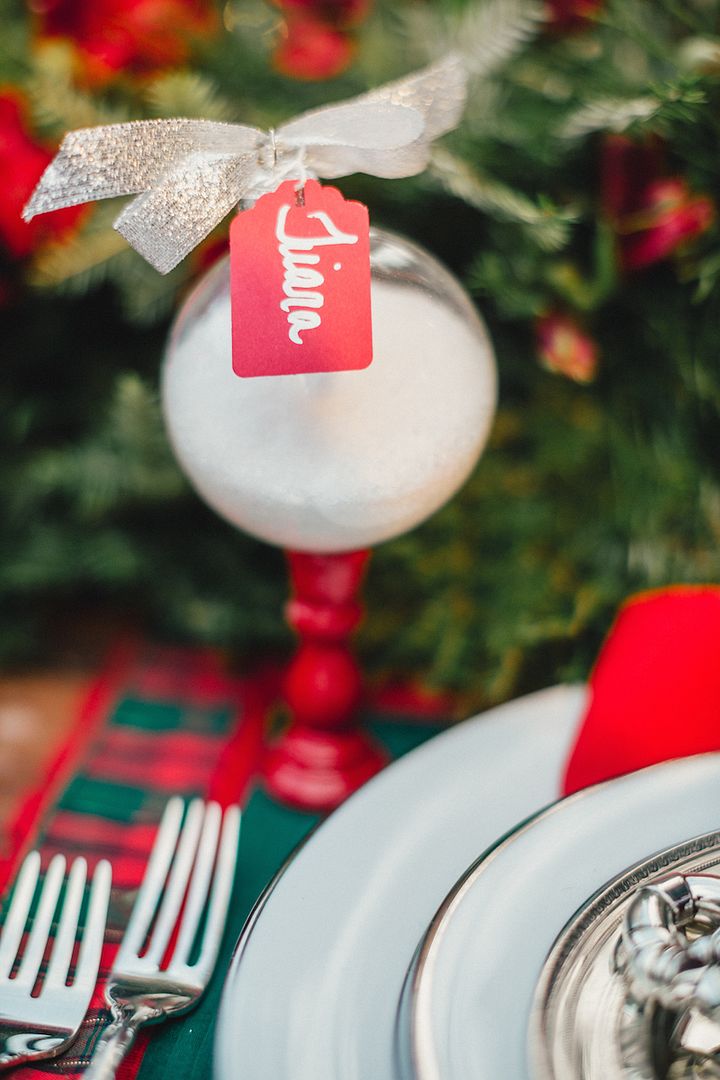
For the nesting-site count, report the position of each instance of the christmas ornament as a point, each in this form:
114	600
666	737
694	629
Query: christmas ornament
339	461
653	215
340	13
668	218
325	461
316	40
22	162
565	16
565	348
313	49
120	37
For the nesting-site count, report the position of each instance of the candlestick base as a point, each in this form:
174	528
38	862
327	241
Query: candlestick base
314	770
324	755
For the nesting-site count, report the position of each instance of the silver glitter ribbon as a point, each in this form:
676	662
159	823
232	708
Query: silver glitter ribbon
188	174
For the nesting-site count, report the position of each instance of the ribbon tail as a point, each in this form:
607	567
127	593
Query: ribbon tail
373	126
167	222
125	159
438	93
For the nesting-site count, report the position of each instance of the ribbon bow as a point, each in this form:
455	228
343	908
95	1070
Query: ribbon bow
188	174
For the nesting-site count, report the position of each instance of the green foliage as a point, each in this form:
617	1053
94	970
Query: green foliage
585	493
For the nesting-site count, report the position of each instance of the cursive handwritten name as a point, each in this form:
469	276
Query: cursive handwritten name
302	283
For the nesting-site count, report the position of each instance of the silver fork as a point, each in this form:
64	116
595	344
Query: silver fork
42	1026
194	863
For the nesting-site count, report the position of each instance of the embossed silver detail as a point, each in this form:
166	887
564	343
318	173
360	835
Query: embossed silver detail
631	989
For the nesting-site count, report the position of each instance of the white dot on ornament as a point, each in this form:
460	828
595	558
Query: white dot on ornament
337	266
336	461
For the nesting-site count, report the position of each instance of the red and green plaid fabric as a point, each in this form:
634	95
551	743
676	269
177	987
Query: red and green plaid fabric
161	721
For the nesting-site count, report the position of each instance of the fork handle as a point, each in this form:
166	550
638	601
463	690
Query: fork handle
116	1040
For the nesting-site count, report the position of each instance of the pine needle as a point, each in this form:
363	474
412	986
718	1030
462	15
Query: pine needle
609	114
188	94
547	225
57	103
146	295
78	264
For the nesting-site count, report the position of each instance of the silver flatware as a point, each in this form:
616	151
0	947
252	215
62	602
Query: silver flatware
171	943
44	1025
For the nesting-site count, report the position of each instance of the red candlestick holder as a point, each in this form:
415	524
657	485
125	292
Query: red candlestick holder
324	755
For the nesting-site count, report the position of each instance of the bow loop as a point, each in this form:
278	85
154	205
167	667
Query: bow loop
188	174
374	126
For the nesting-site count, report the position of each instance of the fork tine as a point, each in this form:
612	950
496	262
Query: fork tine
153	881
176	883
220	893
94	933
199	884
37	942
65	937
18	912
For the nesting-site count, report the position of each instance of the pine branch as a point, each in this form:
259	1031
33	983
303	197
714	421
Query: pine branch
126	460
188	94
146	295
97	254
14	43
547	225
82	262
58	104
77	265
609	114
674	102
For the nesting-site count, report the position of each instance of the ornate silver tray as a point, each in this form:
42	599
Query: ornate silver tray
631	988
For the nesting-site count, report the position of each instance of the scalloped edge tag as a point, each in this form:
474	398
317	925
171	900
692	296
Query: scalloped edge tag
300	283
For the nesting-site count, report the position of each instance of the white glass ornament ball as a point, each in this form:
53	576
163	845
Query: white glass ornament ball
336	461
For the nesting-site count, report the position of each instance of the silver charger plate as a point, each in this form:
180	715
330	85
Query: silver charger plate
472	985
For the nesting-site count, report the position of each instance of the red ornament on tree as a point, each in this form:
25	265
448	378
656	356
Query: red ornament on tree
317	41
340	13
22	162
116	37
653	216
565	348
564	16
313	50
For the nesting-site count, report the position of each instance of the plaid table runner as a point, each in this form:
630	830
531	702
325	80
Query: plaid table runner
162	721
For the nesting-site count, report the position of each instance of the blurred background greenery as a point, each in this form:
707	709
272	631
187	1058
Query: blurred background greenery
576	201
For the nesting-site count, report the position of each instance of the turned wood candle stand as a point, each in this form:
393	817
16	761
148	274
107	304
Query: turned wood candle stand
325	754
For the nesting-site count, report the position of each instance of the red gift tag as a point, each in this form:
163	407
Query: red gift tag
300	280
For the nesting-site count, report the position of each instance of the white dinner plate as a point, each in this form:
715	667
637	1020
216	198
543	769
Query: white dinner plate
477	969
313	990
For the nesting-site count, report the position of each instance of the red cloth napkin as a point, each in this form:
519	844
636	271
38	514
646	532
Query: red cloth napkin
655	689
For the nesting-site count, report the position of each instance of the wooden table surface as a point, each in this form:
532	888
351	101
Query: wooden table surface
37	712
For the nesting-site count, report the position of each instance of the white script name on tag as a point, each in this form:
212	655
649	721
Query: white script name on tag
302	283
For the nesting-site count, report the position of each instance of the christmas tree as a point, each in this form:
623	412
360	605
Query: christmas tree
577	203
